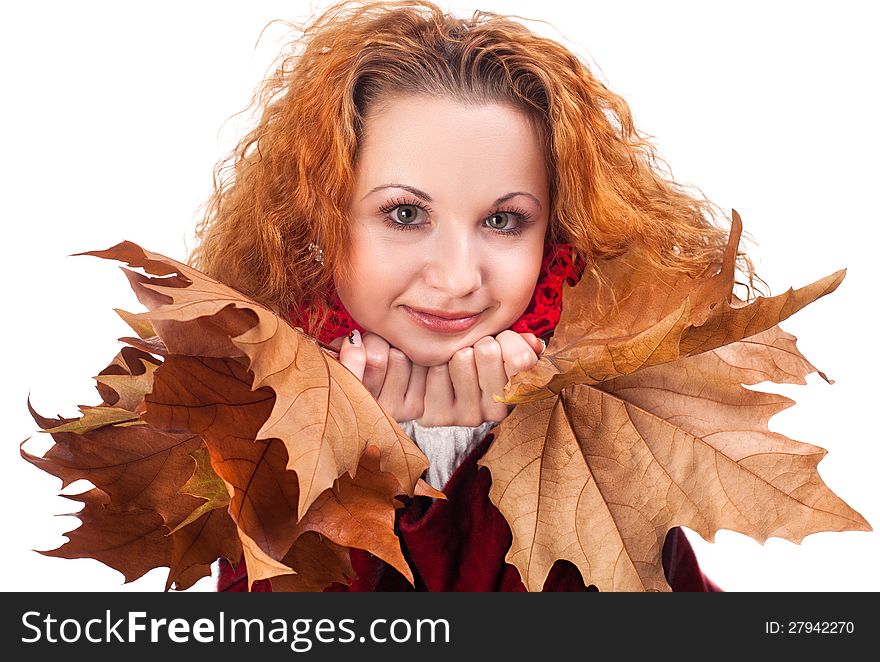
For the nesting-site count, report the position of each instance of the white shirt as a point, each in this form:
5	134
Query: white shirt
446	446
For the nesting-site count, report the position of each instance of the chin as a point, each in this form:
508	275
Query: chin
438	351
429	356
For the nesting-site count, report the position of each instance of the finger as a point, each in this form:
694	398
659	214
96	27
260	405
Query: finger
352	354
518	355
396	380
491	376
376	348
466	384
336	343
439	396
534	342
414	402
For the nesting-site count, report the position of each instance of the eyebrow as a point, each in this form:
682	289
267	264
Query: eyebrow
427	198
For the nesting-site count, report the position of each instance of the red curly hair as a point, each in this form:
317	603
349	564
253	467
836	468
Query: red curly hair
288	181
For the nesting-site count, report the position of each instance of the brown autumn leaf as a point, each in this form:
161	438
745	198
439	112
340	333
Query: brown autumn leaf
322	414
642	322
97	417
212	397
132	538
259	564
208	532
318	562
171	469
204	484
132	541
197	544
139	472
626	430
124	386
359	512
138	467
165	505
143	328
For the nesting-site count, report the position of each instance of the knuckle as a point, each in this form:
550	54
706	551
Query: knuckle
527	358
377	359
487	348
522	360
463	355
392	404
396	357
434	416
508	334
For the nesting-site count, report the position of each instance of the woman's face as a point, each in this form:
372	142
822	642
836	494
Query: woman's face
448	212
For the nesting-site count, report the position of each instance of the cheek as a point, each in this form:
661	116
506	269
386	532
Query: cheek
376	277
515	279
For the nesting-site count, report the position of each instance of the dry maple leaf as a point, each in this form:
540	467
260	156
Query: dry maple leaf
212	397
359	512
198	465
204	484
138	466
322	413
605	333
636	420
196	545
127	379
132	541
318	561
136	518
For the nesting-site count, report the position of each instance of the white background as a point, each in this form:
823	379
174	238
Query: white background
113	115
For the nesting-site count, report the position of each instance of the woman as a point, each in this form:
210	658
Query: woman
417	190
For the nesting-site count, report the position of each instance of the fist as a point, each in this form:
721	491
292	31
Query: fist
386	372
456	393
461	391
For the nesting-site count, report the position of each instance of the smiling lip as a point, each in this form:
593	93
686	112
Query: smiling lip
449	323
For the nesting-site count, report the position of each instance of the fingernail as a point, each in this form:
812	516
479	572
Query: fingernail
354	337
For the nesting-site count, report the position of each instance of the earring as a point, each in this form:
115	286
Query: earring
317	252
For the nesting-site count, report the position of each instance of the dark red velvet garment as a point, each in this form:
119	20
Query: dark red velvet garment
460	544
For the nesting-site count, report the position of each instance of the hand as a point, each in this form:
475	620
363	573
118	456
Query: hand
386	372
456	393
460	392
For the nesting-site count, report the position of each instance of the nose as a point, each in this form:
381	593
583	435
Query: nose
454	265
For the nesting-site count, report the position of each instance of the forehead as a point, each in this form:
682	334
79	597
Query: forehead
448	144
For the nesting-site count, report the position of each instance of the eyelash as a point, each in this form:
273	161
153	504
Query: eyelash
521	215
